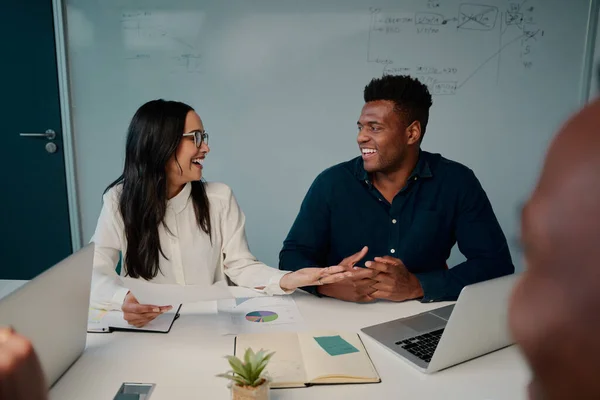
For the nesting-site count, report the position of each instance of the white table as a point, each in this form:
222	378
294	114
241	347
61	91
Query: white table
8	286
183	363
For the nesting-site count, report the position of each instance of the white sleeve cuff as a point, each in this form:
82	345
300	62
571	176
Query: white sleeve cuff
273	287
119	298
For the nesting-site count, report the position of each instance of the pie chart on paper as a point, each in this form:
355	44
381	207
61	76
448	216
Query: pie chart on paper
261	316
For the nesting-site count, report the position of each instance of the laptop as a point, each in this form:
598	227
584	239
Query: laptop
51	310
475	325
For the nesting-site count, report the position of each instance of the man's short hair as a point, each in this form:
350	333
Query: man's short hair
411	98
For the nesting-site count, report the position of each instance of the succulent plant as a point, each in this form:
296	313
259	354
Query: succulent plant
249	371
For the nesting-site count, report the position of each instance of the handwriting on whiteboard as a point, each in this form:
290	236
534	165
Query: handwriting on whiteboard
514	27
165	38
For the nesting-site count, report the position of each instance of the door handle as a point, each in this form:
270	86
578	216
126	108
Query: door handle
49	134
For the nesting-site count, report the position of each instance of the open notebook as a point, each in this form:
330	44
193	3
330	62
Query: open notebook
312	358
102	321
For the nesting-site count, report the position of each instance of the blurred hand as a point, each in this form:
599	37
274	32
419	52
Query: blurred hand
21	376
358	287
393	282
139	315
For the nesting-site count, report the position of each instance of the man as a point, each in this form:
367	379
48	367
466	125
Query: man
404	207
555	308
21	376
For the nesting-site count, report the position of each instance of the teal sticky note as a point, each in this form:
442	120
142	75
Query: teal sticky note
335	345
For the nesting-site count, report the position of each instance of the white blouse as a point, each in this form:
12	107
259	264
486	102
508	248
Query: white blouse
191	258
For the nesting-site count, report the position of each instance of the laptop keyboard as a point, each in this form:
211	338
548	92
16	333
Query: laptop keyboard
422	346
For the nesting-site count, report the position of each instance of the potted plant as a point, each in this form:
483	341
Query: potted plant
247	379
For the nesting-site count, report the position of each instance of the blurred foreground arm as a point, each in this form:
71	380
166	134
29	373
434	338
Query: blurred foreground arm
21	375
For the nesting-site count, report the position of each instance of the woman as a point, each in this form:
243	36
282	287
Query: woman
171	227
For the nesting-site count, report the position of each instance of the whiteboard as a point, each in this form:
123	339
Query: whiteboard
278	84
595	67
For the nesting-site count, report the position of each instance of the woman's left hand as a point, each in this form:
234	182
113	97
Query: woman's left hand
314	276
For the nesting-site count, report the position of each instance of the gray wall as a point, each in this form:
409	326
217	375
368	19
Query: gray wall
279	87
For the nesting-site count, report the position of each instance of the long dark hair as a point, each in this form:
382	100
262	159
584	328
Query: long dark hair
154	133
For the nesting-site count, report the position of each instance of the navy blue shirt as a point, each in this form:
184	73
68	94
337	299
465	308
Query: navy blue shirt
442	203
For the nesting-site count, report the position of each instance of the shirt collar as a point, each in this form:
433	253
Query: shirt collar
421	170
179	202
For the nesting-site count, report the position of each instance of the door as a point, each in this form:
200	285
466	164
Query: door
34	214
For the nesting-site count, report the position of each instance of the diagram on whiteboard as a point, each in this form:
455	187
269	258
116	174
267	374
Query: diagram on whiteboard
477	17
153	35
412	43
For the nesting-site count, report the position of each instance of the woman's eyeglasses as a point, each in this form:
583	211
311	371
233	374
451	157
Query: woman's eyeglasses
199	137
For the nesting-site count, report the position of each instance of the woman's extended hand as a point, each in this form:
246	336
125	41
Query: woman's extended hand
137	314
314	276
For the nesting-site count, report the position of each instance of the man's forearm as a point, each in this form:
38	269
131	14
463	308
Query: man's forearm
447	284
291	259
416	289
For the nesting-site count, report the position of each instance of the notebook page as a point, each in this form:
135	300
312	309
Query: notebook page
285	368
336	356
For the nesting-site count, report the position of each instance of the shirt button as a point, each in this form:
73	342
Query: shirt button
392	251
416	177
394	221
